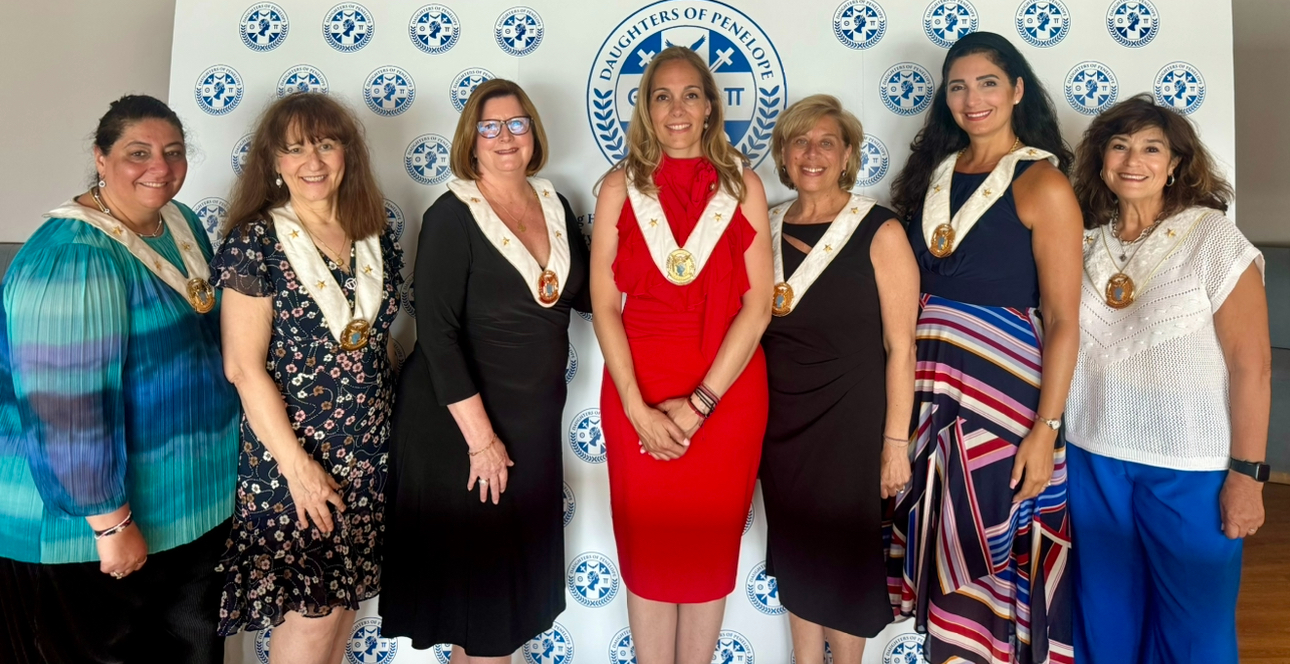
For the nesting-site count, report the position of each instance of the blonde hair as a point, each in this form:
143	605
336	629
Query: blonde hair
645	153
801	118
461	158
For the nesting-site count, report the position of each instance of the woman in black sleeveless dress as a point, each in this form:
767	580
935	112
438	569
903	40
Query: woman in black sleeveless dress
841	372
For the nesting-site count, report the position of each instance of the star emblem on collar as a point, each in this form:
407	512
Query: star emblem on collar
828	247
1171	232
1032	152
185	246
558	235
295	234
717	216
1088	239
653	223
937	189
506	242
546	193
855	210
117	231
157	264
322	285
367	269
987	193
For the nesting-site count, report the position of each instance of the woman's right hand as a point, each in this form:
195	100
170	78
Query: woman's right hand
488	467
659	436
312	487
122	554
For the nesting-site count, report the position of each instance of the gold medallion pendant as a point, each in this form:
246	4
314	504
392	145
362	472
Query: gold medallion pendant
781	301
681	269
200	295
1119	291
942	241
355	335
548	287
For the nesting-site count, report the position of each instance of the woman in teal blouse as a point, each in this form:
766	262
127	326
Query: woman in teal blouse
118	432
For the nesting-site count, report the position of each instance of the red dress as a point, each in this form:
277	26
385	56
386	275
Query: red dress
678	523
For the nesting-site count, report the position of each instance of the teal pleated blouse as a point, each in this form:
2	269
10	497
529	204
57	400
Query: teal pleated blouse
112	390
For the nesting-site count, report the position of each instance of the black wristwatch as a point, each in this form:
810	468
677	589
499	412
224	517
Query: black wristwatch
1256	469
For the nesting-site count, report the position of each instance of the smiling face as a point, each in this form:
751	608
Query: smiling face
678	108
507	153
1135	167
311	170
815	160
979	95
144	169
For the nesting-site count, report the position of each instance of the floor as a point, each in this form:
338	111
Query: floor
1263	613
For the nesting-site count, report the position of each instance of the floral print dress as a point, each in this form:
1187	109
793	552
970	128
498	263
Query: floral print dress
339	403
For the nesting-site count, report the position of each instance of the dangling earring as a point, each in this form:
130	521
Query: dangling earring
101	182
1169	182
705	123
278	181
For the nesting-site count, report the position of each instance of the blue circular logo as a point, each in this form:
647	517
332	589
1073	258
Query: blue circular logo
741	57
400	355
593	580
427	159
621	648
1091	87
904	649
264	26
348	27
907	88
763	591
394	218
238	156
554	646
262	644
389	91
367	646
859	24
1180	86
748	522
212	212
464	85
408	297
434	29
1043	24
218	90
585	436
1133	23
302	78
442	653
518	31
874	162
732	648
569	504
586	315
947	21
571	365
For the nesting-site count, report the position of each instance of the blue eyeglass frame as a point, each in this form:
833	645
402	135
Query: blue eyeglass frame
517	126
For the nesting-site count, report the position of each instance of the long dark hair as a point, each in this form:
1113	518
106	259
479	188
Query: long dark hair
1034	120
126	111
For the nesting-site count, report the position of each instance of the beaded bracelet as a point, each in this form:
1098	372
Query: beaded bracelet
125	523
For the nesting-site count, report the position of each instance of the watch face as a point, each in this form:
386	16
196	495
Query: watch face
1262	472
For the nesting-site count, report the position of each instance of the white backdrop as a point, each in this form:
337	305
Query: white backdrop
406	68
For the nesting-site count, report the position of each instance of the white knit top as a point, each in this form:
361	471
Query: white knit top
1150	384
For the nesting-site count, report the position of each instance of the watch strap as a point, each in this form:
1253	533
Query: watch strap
1257	470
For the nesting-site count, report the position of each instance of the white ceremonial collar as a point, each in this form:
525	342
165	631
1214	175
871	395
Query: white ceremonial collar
789	292
939	230
544	283
193	286
1101	265
680	265
349	326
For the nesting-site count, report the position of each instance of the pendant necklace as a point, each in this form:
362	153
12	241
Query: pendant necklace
161	228
518	224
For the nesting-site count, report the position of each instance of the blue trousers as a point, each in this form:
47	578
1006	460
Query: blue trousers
1155	578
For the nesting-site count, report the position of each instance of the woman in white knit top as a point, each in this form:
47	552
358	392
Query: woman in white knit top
1172	389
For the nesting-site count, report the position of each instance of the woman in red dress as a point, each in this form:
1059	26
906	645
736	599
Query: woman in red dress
681	280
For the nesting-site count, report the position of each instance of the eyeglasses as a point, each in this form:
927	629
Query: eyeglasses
518	126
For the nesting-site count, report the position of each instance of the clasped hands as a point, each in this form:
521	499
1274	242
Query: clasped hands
665	430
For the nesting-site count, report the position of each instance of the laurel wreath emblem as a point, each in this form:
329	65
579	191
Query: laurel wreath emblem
610	132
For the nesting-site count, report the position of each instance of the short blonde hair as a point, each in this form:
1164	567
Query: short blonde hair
801	118
462	159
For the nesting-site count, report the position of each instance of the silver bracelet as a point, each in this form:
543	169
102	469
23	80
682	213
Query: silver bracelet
893	439
125	523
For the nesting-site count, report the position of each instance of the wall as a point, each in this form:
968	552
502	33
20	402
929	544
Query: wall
1261	52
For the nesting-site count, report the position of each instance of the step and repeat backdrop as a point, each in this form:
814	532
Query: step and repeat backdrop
406	69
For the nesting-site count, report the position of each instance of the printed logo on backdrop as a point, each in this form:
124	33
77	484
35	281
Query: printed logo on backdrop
442	653
569	504
408	297
554	646
904	649
1133	24
621	648
747	68
262	644
389	91
218	90
302	78
1091	87
907	88
519	31
394	218
763	591
348	27
749	521
400	355
1043	24
585	436
586	315
264	26
464	84
593	580
367	646
1180	86
427	159
732	648
874	162
571	365
434	29
238	156
946	21
859	24
212	212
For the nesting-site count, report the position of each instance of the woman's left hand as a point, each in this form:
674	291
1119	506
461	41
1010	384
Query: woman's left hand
682	415
1032	468
1240	505
895	468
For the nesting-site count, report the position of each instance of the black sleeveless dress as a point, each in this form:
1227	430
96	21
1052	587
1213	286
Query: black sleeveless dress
821	462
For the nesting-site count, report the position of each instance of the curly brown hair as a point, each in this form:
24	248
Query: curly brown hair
1197	181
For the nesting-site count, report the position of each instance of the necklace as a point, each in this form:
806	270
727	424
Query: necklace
518	224
94	193
337	257
1115	232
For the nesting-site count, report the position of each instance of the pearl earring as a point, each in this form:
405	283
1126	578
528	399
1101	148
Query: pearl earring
278	181
101	182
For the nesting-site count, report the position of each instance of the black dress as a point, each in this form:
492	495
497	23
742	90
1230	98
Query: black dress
482	576
821	462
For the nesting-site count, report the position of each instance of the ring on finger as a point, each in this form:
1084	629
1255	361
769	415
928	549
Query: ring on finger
483	481
117	575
